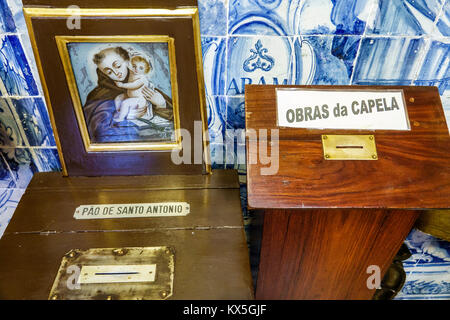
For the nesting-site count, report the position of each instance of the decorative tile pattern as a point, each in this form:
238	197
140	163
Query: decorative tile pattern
6	177
11	132
443	23
213	17
15	71
297	17
235	113
428	269
405	17
388	61
261	60
333	58
6	18
435	69
15	7
334	17
35	122
9	199
216	109
214	65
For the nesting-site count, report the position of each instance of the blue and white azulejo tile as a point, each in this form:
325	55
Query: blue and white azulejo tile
443	23
235	113
388	61
46	159
6	18
35	122
435	69
15	72
15	7
213	17
216	110
261	60
404	17
333	17
11	132
334	58
214	65
297	17
9	199
6	177
217	156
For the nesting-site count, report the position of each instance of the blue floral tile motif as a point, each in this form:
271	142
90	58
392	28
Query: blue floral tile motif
388	61
10	133
6	18
15	72
333	58
213	17
235	112
443	24
260	60
405	17
35	121
9	199
214	64
436	67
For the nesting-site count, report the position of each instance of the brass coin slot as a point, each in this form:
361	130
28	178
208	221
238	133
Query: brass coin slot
349	147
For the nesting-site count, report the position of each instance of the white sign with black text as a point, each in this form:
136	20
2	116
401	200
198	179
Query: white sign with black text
132	210
341	109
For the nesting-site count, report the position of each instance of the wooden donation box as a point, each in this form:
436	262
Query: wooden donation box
356	165
137	212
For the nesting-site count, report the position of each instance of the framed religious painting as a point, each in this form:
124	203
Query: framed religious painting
123	85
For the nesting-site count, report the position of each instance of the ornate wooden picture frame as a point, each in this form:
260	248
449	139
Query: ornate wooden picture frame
121	86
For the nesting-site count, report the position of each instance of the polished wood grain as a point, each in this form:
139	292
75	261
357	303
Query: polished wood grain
412	170
325	253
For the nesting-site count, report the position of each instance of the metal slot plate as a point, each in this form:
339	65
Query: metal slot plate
135	273
117	273
349	147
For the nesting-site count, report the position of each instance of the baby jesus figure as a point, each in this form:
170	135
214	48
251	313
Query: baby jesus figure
134	99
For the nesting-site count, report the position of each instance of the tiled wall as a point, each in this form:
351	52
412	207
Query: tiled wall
385	42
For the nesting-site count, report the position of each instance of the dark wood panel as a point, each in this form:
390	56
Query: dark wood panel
412	170
209	264
50	201
209	208
53	181
78	161
324	254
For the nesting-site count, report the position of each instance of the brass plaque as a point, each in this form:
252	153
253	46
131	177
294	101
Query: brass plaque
136	273
349	147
